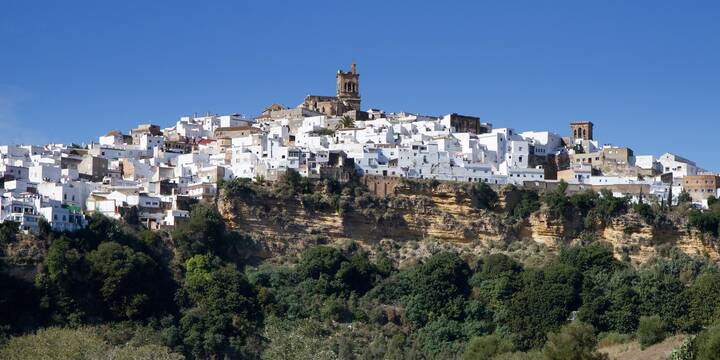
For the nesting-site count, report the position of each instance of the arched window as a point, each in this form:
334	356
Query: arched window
575	133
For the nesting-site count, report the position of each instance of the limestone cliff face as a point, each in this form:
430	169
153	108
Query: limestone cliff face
442	214
283	226
544	230
630	235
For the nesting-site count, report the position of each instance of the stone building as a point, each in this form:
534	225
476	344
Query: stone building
465	123
347	98
701	187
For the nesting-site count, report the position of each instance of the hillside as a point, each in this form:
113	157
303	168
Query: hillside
326	270
444	213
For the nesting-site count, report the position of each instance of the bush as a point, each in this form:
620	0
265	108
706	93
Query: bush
705	221
529	203
82	343
558	205
441	339
483	196
8	232
574	341
439	287
650	331
543	304
684	197
486	347
614	338
336	310
518	355
686	350
707	344
319	260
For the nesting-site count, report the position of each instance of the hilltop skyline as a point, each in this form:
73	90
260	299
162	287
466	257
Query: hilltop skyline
643	73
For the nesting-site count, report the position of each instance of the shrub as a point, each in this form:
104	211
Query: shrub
613	338
686	350
8	232
650	331
558	204
319	260
684	197
707	343
529	203
486	347
336	310
82	343
574	341
483	196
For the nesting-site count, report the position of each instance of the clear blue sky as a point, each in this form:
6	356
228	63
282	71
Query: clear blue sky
646	72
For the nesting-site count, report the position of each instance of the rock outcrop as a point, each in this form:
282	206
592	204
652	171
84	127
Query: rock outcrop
445	214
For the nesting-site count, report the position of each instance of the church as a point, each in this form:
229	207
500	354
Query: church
346	100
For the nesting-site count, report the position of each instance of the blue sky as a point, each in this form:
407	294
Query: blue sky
645	72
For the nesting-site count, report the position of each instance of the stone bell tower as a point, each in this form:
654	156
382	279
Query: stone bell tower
348	88
581	130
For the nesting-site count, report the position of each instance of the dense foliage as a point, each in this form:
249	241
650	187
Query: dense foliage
115	288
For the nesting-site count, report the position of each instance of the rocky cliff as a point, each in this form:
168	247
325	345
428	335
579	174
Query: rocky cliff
441	214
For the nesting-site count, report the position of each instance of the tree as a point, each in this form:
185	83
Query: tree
593	257
609	206
542	305
574	341
529	203
221	309
346	122
486	347
319	260
662	293
65	284
684	197
291	183
707	344
203	232
8	232
650	331
497	279
483	196
703	298
19	303
610	302
558	205
440	288
358	274
441	338
130	282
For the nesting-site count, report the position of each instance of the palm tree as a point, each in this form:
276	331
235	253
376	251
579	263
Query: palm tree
346	122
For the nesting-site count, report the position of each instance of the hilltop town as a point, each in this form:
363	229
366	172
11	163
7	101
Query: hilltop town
156	174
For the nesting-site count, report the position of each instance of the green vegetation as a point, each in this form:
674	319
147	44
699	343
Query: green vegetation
651	330
706	221
8	232
114	288
82	343
573	341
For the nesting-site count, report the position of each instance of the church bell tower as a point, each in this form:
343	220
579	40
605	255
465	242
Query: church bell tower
348	87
